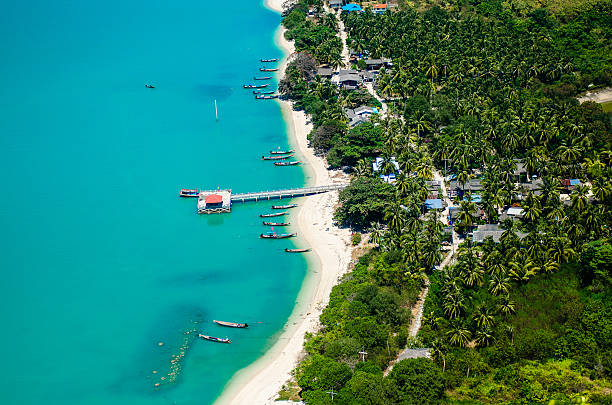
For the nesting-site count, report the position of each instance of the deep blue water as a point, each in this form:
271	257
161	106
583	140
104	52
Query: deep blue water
100	260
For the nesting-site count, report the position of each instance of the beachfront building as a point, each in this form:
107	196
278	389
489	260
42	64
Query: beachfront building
379	8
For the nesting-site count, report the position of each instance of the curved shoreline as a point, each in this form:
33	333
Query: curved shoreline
260	382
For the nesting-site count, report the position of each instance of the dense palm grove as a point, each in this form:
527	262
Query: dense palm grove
475	90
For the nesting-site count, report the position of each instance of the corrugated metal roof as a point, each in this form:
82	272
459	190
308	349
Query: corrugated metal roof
213	199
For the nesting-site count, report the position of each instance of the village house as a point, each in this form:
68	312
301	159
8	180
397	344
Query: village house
378	166
434	204
456	189
326	72
359	115
379	8
377	64
491	230
336	4
349	79
352	7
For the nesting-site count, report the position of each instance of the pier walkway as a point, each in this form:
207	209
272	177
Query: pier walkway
289	193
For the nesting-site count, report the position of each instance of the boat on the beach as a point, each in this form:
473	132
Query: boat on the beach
272	235
185	192
262	78
277	214
255	86
297	250
283	207
297	162
268	69
276	223
231	324
268	60
276	157
281	152
214	339
266	97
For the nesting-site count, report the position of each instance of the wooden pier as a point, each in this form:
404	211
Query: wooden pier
288	193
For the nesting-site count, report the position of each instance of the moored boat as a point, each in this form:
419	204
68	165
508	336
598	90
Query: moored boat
277	214
255	86
214	339
281	152
267	92
276	157
297	250
262	78
268	69
276	223
266	97
268	60
297	162
185	192
272	235
283	207
231	324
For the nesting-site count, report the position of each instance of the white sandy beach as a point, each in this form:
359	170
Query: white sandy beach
331	253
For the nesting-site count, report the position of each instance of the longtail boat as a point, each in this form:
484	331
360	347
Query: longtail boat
188	192
283	207
255	86
269	60
256	92
266	97
276	223
281	152
231	324
278	214
262	78
267	92
272	235
276	157
297	250
268	69
214	339
297	162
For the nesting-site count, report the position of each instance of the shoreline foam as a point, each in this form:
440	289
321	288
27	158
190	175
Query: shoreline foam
260	382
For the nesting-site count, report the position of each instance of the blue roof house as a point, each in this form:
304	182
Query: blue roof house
351	7
433	204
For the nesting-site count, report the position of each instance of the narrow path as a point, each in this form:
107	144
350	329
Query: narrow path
598	96
342	33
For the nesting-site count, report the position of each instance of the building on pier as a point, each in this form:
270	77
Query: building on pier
214	202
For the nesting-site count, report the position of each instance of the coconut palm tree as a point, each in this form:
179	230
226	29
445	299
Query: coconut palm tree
484	337
459	336
483	317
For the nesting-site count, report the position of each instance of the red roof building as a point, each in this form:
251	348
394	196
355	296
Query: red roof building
213	199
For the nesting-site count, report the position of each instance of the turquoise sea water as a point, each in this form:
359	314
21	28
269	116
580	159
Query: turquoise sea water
100	259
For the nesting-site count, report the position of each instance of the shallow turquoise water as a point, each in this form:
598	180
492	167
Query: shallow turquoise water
100	259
